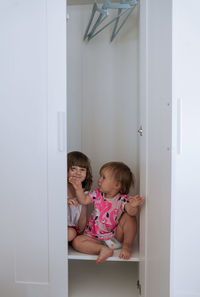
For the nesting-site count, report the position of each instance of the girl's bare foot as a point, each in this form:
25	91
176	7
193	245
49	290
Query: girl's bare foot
125	253
105	253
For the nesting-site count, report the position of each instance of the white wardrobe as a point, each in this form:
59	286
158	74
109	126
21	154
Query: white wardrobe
147	77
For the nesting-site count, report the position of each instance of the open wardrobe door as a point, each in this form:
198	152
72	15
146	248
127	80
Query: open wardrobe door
33	150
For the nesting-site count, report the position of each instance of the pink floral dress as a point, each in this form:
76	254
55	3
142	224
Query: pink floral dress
104	219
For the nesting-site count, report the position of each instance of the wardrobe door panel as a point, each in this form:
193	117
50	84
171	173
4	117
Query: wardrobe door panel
185	244
33	172
156	97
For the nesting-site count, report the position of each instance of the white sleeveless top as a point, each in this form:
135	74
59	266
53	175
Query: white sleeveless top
73	214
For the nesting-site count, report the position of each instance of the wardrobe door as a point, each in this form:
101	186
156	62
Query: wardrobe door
33	155
185	240
142	135
156	94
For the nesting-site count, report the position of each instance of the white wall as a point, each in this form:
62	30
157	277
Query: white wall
103	91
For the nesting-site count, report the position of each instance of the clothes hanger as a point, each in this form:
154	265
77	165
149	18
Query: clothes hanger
92	34
115	30
103	14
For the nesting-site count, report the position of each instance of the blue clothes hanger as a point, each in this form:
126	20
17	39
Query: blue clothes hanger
91	35
103	14
115	30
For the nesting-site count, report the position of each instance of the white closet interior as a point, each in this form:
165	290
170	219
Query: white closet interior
102	122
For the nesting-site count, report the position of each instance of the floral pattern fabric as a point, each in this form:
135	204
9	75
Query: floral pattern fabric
105	217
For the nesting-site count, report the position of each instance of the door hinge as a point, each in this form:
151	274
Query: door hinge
139	287
140	131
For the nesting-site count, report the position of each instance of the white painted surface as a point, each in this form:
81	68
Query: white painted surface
159	71
74	255
74	80
186	150
143	148
33	191
34	263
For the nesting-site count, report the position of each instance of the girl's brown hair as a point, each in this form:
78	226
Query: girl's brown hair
121	173
79	159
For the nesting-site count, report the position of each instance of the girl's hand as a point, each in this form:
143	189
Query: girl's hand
135	201
72	201
76	183
80	195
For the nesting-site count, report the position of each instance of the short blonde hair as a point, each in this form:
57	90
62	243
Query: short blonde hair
76	158
121	173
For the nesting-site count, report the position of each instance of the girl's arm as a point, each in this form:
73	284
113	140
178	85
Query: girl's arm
80	195
132	211
132	207
83	218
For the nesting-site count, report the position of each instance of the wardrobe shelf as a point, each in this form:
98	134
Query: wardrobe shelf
74	255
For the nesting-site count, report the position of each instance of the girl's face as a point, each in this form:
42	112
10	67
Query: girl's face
107	184
77	172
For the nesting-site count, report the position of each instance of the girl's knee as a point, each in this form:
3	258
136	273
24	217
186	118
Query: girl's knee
76	242
127	223
71	233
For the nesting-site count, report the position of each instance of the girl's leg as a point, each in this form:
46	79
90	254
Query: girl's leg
126	231
88	245
71	233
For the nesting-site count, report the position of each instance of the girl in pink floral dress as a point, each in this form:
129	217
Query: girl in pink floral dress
107	228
